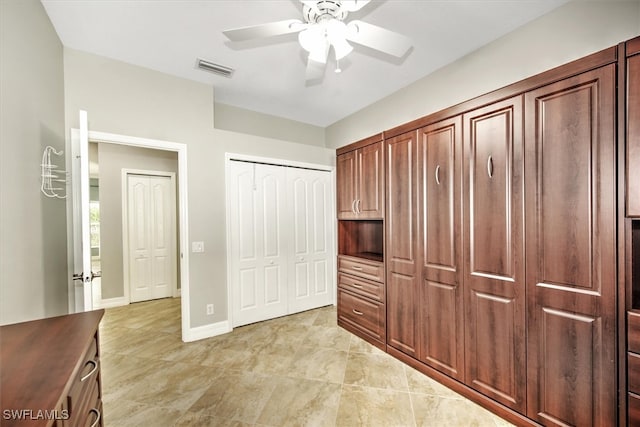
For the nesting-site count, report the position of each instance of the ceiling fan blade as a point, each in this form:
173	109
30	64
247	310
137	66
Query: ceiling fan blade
265	30
354	5
315	70
378	38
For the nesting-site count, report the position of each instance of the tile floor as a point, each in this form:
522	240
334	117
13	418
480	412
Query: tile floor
300	370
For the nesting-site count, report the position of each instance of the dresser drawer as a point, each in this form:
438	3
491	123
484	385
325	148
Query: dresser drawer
633	332
361	314
634	410
633	370
366	269
84	383
367	288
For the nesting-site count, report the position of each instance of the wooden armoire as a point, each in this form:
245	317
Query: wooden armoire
509	247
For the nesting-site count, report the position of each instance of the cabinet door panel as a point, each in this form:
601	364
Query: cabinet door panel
441	313
346	185
402	239
633	136
494	273
370	182
571	250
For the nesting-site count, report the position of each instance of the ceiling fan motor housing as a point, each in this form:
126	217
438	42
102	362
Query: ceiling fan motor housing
324	10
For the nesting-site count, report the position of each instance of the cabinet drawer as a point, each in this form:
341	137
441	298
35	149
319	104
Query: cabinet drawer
633	332
371	270
362	314
366	288
633	370
634	410
85	379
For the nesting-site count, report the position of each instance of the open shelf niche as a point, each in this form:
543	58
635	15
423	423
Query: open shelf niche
362	239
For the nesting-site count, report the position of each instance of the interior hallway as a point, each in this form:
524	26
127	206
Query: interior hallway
299	370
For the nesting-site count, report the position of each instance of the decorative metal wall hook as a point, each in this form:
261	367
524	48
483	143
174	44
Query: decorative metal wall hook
51	175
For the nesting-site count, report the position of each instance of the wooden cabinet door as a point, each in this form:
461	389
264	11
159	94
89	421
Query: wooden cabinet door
440	299
494	259
346	185
571	250
402	241
370	182
633	134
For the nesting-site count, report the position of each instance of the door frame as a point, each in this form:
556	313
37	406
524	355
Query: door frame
183	222
125	172
228	157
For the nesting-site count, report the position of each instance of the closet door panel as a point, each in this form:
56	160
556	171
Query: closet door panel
494	273
441	298
571	250
402	238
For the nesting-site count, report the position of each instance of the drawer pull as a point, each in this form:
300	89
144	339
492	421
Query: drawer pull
359	313
355	285
95	368
355	267
97	414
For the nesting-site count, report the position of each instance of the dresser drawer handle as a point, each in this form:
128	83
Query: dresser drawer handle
97	414
355	267
95	368
359	313
357	286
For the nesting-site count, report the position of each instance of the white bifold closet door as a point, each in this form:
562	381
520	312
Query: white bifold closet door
281	240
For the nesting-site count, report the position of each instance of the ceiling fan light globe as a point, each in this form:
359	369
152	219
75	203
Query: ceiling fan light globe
312	39
341	48
320	54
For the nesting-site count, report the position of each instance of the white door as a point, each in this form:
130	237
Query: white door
80	295
151	235
311	263
258	249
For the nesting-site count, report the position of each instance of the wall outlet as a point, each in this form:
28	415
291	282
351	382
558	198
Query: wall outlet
209	309
197	247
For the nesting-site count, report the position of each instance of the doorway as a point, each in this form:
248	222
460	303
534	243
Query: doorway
175	149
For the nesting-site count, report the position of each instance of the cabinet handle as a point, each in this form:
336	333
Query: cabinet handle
359	313
358	203
438	174
95	368
97	414
490	166
353	206
357	286
355	267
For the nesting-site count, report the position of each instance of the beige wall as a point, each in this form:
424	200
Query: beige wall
567	33
130	100
228	117
112	159
33	254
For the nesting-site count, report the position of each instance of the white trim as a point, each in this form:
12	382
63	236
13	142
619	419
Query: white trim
111	302
207	331
125	172
183	204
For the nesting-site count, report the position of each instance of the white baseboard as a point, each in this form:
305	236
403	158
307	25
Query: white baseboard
112	302
207	331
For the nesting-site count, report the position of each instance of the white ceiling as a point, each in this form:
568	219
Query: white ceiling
168	36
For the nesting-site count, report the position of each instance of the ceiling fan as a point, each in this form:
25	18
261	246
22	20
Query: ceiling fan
323	27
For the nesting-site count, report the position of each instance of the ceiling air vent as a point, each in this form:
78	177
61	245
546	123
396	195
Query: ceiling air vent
215	68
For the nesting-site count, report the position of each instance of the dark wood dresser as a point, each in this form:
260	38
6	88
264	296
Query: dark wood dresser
50	372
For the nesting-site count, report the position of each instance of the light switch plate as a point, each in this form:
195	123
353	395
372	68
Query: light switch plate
197	247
